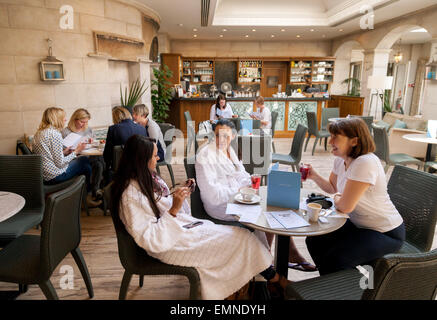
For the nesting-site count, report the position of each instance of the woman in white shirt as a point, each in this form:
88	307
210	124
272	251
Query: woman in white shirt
225	257
220	175
221	109
374	227
263	114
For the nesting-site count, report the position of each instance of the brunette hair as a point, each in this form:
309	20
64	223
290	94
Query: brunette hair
52	117
354	128
137	152
259	100
217	101
224	122
119	114
77	115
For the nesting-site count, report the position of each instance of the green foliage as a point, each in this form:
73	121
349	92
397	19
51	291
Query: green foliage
387	106
161	93
129	100
354	89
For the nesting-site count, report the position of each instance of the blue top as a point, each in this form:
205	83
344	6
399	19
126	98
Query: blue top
119	133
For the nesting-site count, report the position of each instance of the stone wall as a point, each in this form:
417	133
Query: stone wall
92	83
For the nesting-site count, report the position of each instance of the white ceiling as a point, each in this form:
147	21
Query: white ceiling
295	17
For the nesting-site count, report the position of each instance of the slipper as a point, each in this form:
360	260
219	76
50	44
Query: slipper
303	266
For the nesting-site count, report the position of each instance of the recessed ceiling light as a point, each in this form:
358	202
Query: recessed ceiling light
180	25
340	30
247	36
282	30
324	36
224	30
194	29
253	30
195	36
312	30
298	36
272	36
221	36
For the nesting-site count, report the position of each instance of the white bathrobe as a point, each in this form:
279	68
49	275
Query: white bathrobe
226	257
219	178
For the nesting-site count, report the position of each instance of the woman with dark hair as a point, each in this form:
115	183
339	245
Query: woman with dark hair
160	222
374	227
221	109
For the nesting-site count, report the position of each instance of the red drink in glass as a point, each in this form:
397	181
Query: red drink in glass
304	170
256	181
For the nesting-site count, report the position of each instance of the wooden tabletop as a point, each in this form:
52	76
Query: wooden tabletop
314	229
10	204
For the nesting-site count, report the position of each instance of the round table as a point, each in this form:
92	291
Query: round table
92	152
283	235
10	204
422	138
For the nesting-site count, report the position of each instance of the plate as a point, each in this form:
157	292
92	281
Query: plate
239	198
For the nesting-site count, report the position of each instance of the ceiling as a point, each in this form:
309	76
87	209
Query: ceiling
278	20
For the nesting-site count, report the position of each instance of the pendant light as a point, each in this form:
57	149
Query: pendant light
398	55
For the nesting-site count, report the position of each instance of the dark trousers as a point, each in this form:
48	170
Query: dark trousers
97	168
77	167
351	246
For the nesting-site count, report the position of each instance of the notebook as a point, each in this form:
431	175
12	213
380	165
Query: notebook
283	189
246	127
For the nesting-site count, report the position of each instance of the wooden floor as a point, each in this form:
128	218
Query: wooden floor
99	247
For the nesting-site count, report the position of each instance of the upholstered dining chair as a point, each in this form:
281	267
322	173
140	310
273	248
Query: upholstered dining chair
313	130
295	155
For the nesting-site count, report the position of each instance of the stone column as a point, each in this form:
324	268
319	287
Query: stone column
375	63
141	70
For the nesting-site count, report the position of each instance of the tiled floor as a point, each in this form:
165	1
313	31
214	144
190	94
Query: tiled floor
99	247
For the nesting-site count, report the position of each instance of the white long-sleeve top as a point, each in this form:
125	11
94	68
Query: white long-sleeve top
226	257
219	178
48	143
226	113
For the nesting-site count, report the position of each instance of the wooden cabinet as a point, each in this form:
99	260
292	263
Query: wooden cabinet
318	71
348	105
197	70
250	71
173	61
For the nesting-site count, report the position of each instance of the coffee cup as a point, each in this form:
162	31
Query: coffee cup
314	211
247	193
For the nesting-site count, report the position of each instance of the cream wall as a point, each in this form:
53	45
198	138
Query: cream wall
219	48
91	83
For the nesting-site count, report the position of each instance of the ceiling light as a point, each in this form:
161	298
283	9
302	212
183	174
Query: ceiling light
341	30
324	36
272	36
194	29
398	56
253	30
312	30
282	30
298	36
180	25
247	36
195	36
221	36
224	30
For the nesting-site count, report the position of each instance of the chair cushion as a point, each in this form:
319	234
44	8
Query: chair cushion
402	158
18	224
416	124
399	124
342	285
20	260
390	118
324	134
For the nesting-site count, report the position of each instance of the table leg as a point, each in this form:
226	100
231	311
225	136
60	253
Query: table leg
282	250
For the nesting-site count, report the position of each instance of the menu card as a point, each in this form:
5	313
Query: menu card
287	219
72	140
247	213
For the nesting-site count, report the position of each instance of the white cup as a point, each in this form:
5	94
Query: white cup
247	193
314	211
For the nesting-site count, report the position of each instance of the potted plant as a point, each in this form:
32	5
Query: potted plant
353	85
130	99
161	93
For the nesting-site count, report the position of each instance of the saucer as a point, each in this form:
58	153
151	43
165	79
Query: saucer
239	198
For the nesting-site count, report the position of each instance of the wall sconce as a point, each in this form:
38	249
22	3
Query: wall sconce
51	69
398	55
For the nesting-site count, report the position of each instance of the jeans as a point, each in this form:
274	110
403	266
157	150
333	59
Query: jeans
351	246
78	166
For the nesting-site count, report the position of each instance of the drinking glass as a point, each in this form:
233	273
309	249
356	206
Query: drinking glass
304	170
256	181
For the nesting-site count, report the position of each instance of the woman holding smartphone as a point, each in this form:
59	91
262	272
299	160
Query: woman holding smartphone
226	257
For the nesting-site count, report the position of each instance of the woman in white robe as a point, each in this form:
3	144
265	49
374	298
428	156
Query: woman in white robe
220	175
226	257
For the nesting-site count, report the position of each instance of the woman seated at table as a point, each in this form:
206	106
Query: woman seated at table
140	114
123	129
263	114
220	175
374	227
226	257
221	109
79	124
59	164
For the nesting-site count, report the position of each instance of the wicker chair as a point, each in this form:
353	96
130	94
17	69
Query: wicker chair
31	259
383	151
314	131
168	131
135	260
414	194
328	113
295	155
395	277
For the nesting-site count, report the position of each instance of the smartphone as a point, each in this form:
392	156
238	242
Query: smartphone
193	224
190	184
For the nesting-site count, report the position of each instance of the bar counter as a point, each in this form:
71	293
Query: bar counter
291	111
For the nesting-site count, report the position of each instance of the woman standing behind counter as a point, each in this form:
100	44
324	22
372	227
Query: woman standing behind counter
221	109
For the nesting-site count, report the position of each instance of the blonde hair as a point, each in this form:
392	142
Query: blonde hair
78	115
141	110
52	117
259	100
119	114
